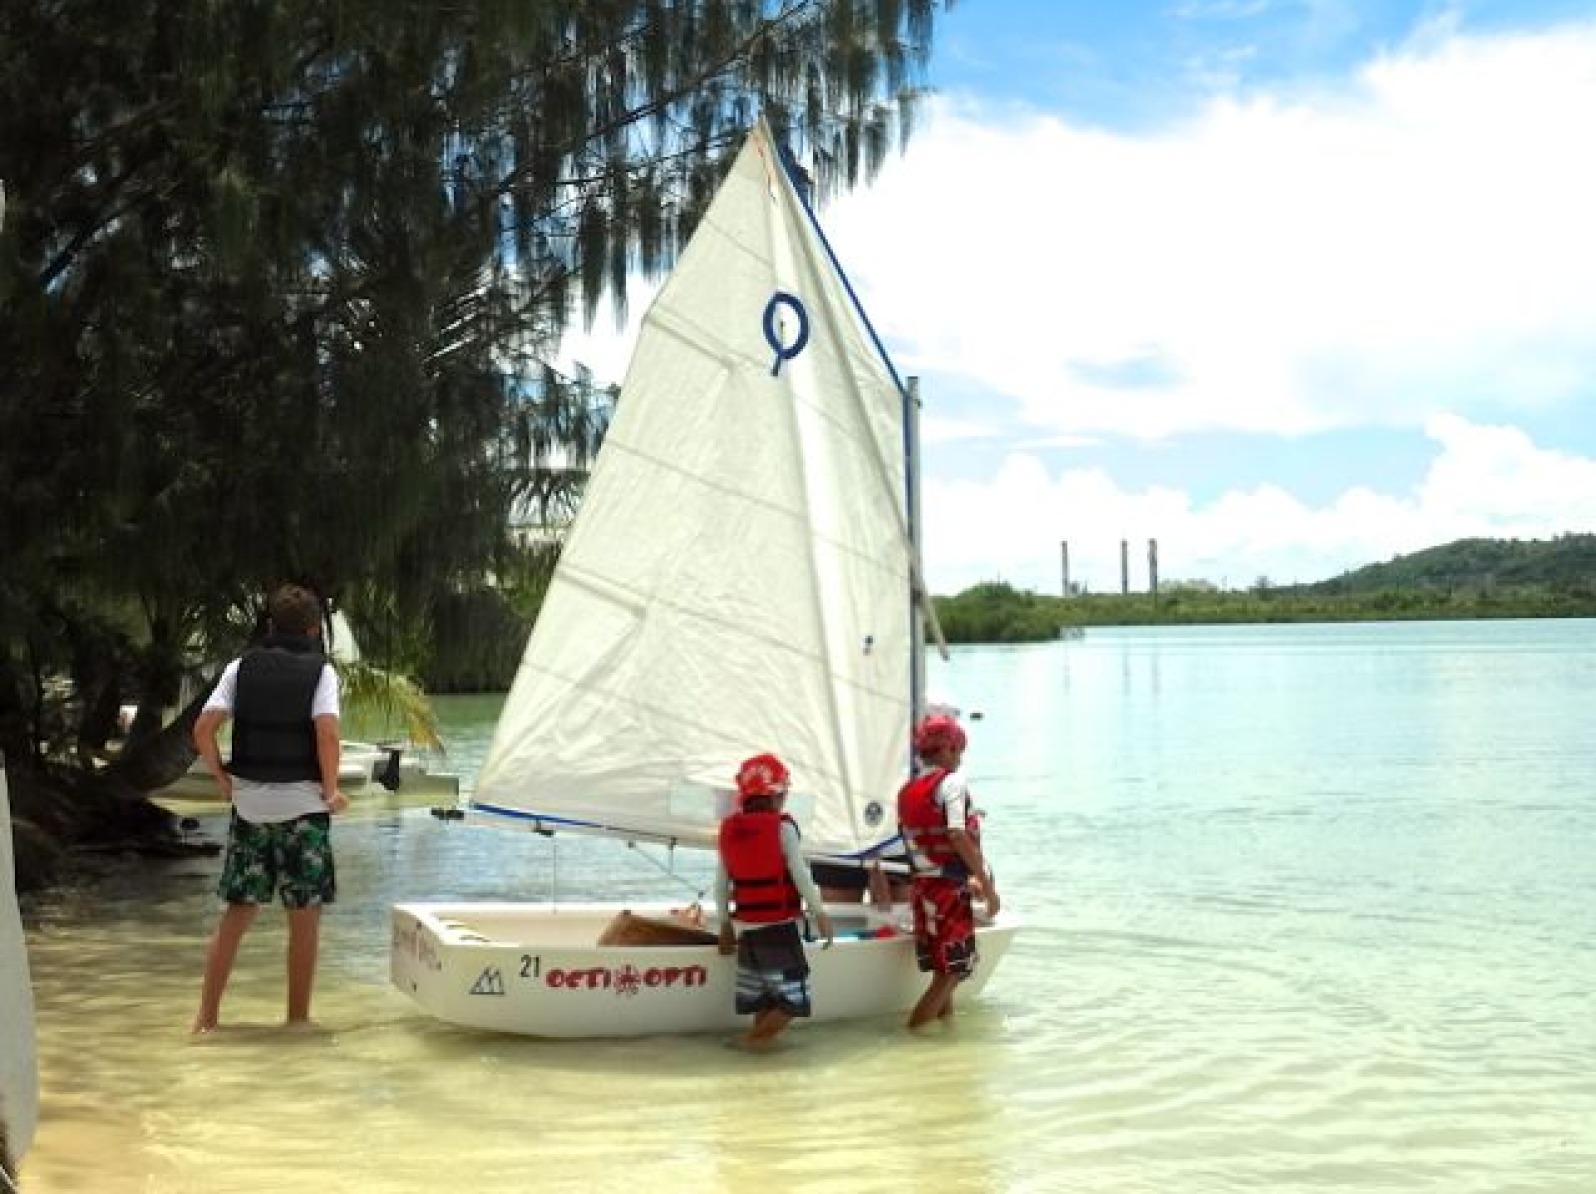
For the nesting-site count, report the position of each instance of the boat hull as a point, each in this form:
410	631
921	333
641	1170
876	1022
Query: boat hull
537	970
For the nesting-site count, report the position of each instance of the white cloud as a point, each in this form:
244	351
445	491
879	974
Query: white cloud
1495	476
1415	242
1484	481
606	347
1413	249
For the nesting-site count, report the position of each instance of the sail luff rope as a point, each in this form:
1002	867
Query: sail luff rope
922	595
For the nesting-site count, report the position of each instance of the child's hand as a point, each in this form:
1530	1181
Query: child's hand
993	903
336	801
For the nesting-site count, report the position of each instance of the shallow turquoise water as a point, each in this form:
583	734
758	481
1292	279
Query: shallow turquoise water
1309	908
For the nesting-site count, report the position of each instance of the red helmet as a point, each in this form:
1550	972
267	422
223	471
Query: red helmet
762	775
938	732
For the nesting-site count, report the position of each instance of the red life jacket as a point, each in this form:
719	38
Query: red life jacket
924	825
762	891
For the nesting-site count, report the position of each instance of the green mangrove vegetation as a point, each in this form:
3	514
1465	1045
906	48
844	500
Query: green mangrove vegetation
1471	578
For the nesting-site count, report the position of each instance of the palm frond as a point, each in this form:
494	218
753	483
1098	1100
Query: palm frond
377	695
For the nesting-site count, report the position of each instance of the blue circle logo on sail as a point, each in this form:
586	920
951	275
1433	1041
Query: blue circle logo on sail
773	329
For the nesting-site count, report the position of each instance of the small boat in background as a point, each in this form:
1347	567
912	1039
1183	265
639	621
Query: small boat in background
368	772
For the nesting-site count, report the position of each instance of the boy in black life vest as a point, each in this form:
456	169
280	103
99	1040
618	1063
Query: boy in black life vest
940	827
282	783
763	882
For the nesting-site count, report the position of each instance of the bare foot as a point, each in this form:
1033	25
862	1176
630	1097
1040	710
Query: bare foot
753	1044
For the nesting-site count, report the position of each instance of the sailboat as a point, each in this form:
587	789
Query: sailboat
742	577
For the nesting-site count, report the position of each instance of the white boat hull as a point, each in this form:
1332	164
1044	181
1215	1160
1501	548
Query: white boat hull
535	969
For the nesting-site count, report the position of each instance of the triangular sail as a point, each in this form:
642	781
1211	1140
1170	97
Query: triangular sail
738	576
19	1075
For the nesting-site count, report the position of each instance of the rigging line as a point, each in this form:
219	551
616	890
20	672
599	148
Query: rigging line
699	892
911	531
800	418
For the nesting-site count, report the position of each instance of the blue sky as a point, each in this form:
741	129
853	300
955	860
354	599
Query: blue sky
1290	287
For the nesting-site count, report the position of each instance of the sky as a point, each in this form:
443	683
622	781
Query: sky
1290	287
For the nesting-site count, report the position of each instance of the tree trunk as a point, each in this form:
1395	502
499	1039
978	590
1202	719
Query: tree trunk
18	740
154	762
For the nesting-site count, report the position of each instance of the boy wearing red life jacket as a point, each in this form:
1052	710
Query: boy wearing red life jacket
762	881
938	823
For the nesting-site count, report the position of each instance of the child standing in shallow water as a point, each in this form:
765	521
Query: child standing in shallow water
940	827
762	881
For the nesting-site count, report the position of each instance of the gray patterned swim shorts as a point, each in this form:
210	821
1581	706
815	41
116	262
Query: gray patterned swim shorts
294	859
772	971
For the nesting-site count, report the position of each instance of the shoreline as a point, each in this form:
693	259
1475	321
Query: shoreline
61	819
997	615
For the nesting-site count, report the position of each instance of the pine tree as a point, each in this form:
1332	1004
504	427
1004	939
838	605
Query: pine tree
281	280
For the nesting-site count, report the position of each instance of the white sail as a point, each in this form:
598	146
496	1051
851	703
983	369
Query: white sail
738	578
19	1078
19	1073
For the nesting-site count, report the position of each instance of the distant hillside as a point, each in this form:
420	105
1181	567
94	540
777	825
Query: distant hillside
1472	578
1566	564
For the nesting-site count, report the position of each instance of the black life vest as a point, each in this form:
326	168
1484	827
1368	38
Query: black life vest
762	890
274	738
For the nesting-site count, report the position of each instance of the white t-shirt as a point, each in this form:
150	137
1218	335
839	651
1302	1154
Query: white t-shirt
953	795
263	803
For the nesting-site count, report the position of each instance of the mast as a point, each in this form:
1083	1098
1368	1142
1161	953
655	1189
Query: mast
924	615
918	600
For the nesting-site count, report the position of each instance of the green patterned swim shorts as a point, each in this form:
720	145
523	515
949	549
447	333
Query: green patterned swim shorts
292	858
